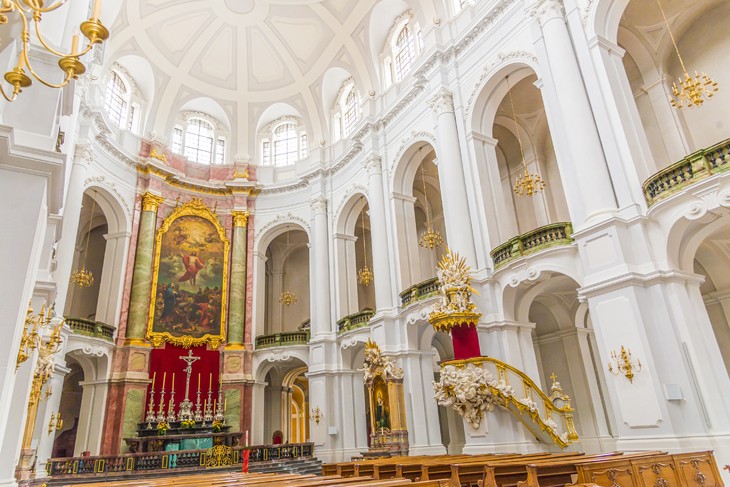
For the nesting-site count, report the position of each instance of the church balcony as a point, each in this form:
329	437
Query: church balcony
548	236
695	167
419	291
89	328
354	321
282	339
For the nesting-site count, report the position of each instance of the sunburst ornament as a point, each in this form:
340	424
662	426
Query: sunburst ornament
688	91
364	276
84	277
430	239
527	183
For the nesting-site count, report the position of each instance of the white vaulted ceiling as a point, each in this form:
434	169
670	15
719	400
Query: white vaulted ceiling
245	54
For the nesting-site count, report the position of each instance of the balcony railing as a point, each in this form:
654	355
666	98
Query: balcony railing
95	329
553	235
354	321
695	167
282	339
419	291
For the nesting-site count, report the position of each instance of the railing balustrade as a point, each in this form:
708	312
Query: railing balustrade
419	291
354	321
553	235
695	167
90	328
282	339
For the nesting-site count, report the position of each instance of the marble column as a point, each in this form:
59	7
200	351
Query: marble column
457	218
237	293
322	323
378	235
142	274
581	159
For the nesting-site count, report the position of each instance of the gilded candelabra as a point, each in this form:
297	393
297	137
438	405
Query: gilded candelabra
31	11
622	363
689	91
526	183
317	415
288	298
31	338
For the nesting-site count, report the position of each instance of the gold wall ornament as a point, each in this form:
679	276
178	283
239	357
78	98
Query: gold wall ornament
690	91
83	277
31	338
150	201
241	175
193	208
288	298
317	415
527	183
31	11
240	218
365	275
157	155
622	363
55	423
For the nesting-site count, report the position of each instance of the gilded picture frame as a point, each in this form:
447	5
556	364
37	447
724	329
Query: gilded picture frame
187	288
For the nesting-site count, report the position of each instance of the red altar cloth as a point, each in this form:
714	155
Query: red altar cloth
466	341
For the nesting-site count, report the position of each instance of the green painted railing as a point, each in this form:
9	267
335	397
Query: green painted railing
419	291
95	329
354	321
695	167
553	235
282	339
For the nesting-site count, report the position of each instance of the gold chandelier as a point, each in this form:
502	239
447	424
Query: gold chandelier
83	277
364	276
287	298
431	238
692	91
527	183
32	11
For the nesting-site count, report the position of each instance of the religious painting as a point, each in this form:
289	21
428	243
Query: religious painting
188	301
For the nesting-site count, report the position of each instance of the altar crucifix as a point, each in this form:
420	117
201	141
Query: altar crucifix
186	406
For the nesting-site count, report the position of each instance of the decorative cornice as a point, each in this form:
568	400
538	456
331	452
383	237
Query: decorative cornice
150	202
318	204
83	154
373	164
443	102
544	10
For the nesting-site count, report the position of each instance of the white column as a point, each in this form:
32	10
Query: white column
111	285
257	404
407	237
583	167
451	176
91	417
422	416
671	125
71	214
321	290
259	295
346	275
378	235
43	439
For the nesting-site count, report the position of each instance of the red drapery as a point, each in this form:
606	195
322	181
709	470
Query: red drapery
466	341
167	360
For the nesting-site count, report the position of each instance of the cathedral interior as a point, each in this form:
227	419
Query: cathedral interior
333	242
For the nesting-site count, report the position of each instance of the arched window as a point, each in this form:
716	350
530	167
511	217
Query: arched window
199	139
405	53
286	148
116	101
403	46
350	114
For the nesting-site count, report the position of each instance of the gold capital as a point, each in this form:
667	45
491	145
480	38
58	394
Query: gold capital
240	218
150	202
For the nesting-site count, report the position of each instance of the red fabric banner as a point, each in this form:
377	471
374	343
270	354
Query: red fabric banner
466	341
167	361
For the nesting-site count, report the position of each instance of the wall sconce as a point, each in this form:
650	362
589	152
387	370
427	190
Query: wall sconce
56	423
621	363
317	415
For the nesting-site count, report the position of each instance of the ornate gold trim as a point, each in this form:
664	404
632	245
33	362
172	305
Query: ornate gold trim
240	218
170	180
195	207
445	321
150	202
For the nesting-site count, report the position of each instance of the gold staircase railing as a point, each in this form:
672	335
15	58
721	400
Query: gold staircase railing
549	418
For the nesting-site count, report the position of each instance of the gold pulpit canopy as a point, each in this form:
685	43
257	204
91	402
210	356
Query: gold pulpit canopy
456	308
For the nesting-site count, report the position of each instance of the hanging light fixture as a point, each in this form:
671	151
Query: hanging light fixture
692	91
431	238
527	183
364	276
83	277
287	298
29	11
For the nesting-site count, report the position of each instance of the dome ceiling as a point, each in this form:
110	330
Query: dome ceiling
245	54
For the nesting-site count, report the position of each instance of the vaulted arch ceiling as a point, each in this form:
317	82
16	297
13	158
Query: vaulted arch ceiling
245	54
